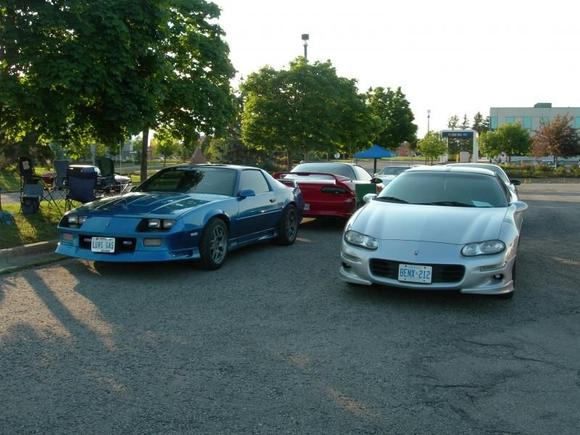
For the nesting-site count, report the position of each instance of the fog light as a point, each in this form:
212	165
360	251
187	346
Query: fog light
67	236
498	276
152	242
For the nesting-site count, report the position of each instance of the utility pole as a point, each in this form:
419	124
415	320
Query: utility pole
428	119
305	38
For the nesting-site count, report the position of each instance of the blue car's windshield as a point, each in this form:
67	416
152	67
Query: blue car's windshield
447	189
219	181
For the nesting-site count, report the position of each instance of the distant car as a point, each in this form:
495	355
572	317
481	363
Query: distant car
330	189
436	228
182	213
511	184
388	173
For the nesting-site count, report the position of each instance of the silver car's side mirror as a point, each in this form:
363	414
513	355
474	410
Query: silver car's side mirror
369	197
520	206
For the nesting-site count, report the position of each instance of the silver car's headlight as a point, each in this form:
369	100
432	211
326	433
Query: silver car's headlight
488	247
360	239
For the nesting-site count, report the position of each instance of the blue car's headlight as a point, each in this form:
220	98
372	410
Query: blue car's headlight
488	247
155	224
362	240
73	220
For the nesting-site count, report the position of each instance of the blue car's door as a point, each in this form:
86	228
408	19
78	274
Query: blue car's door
260	213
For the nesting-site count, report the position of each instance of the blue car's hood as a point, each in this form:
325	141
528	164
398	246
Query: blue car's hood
142	203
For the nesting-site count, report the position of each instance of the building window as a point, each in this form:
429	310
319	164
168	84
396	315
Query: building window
577	122
510	119
527	122
493	122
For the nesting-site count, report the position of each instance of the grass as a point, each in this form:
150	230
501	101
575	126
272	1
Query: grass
33	228
9	180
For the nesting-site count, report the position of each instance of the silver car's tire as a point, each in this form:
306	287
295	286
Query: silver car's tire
214	244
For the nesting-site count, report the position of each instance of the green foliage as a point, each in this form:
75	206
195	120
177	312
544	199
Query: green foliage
511	139
453	122
81	72
480	124
465	124
557	138
165	144
432	146
394	116
306	108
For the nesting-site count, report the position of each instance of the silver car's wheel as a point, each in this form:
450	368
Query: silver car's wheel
214	244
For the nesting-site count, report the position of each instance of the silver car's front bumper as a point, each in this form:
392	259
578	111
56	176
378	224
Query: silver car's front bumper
489	274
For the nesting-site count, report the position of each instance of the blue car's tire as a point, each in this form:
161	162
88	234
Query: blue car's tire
288	226
214	244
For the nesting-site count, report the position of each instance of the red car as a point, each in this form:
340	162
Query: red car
330	189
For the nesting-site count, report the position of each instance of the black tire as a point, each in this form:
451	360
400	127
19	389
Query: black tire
213	247
288	226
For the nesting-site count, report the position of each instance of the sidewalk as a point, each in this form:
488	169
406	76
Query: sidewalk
25	256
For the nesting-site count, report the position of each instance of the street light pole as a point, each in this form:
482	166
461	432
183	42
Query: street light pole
428	119
305	38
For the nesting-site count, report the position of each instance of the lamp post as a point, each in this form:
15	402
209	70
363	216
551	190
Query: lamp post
305	38
428	119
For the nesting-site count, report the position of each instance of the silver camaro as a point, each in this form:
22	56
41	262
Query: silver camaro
439	227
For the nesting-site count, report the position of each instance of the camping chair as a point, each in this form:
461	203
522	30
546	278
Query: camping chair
32	188
106	181
81	187
60	169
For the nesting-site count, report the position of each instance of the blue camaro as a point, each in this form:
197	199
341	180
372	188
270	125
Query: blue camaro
184	212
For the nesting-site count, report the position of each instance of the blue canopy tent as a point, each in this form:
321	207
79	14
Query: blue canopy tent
374	152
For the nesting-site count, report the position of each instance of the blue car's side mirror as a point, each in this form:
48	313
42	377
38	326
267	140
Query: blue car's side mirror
245	193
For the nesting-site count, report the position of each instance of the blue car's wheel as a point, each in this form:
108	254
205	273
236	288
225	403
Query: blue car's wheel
288	226
214	244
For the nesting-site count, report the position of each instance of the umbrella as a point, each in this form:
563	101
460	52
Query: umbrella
374	152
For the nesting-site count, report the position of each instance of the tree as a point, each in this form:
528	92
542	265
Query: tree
432	146
465	123
480	124
453	122
394	115
557	138
83	71
165	144
511	139
306	108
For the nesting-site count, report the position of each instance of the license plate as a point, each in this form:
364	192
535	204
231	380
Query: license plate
103	244
414	273
306	206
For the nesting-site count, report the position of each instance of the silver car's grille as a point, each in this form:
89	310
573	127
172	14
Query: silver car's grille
442	273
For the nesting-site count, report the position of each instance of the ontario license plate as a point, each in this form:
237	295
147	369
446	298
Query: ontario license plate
103	244
414	273
306	206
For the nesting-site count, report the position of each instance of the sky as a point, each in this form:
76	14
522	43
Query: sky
452	57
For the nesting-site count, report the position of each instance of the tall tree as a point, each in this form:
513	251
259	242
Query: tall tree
480	124
453	122
394	115
82	70
465	123
557	138
511	139
432	146
303	109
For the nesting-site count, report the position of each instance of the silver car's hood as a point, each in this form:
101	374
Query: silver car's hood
427	223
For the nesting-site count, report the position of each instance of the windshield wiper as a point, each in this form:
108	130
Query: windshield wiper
449	203
391	199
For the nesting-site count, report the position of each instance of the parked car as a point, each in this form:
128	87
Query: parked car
184	212
331	189
388	173
511	184
440	227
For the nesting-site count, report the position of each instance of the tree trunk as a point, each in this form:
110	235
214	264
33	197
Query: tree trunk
144	154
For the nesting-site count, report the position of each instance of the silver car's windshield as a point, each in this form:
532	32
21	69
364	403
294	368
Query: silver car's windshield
446	189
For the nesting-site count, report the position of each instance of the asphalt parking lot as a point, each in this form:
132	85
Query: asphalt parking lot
274	342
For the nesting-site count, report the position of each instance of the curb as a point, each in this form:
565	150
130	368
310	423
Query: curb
49	259
30	249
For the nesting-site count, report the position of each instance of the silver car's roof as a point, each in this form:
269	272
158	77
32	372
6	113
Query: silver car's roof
453	169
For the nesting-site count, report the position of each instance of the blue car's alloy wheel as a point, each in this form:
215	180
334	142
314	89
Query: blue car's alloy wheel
288	227
214	244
